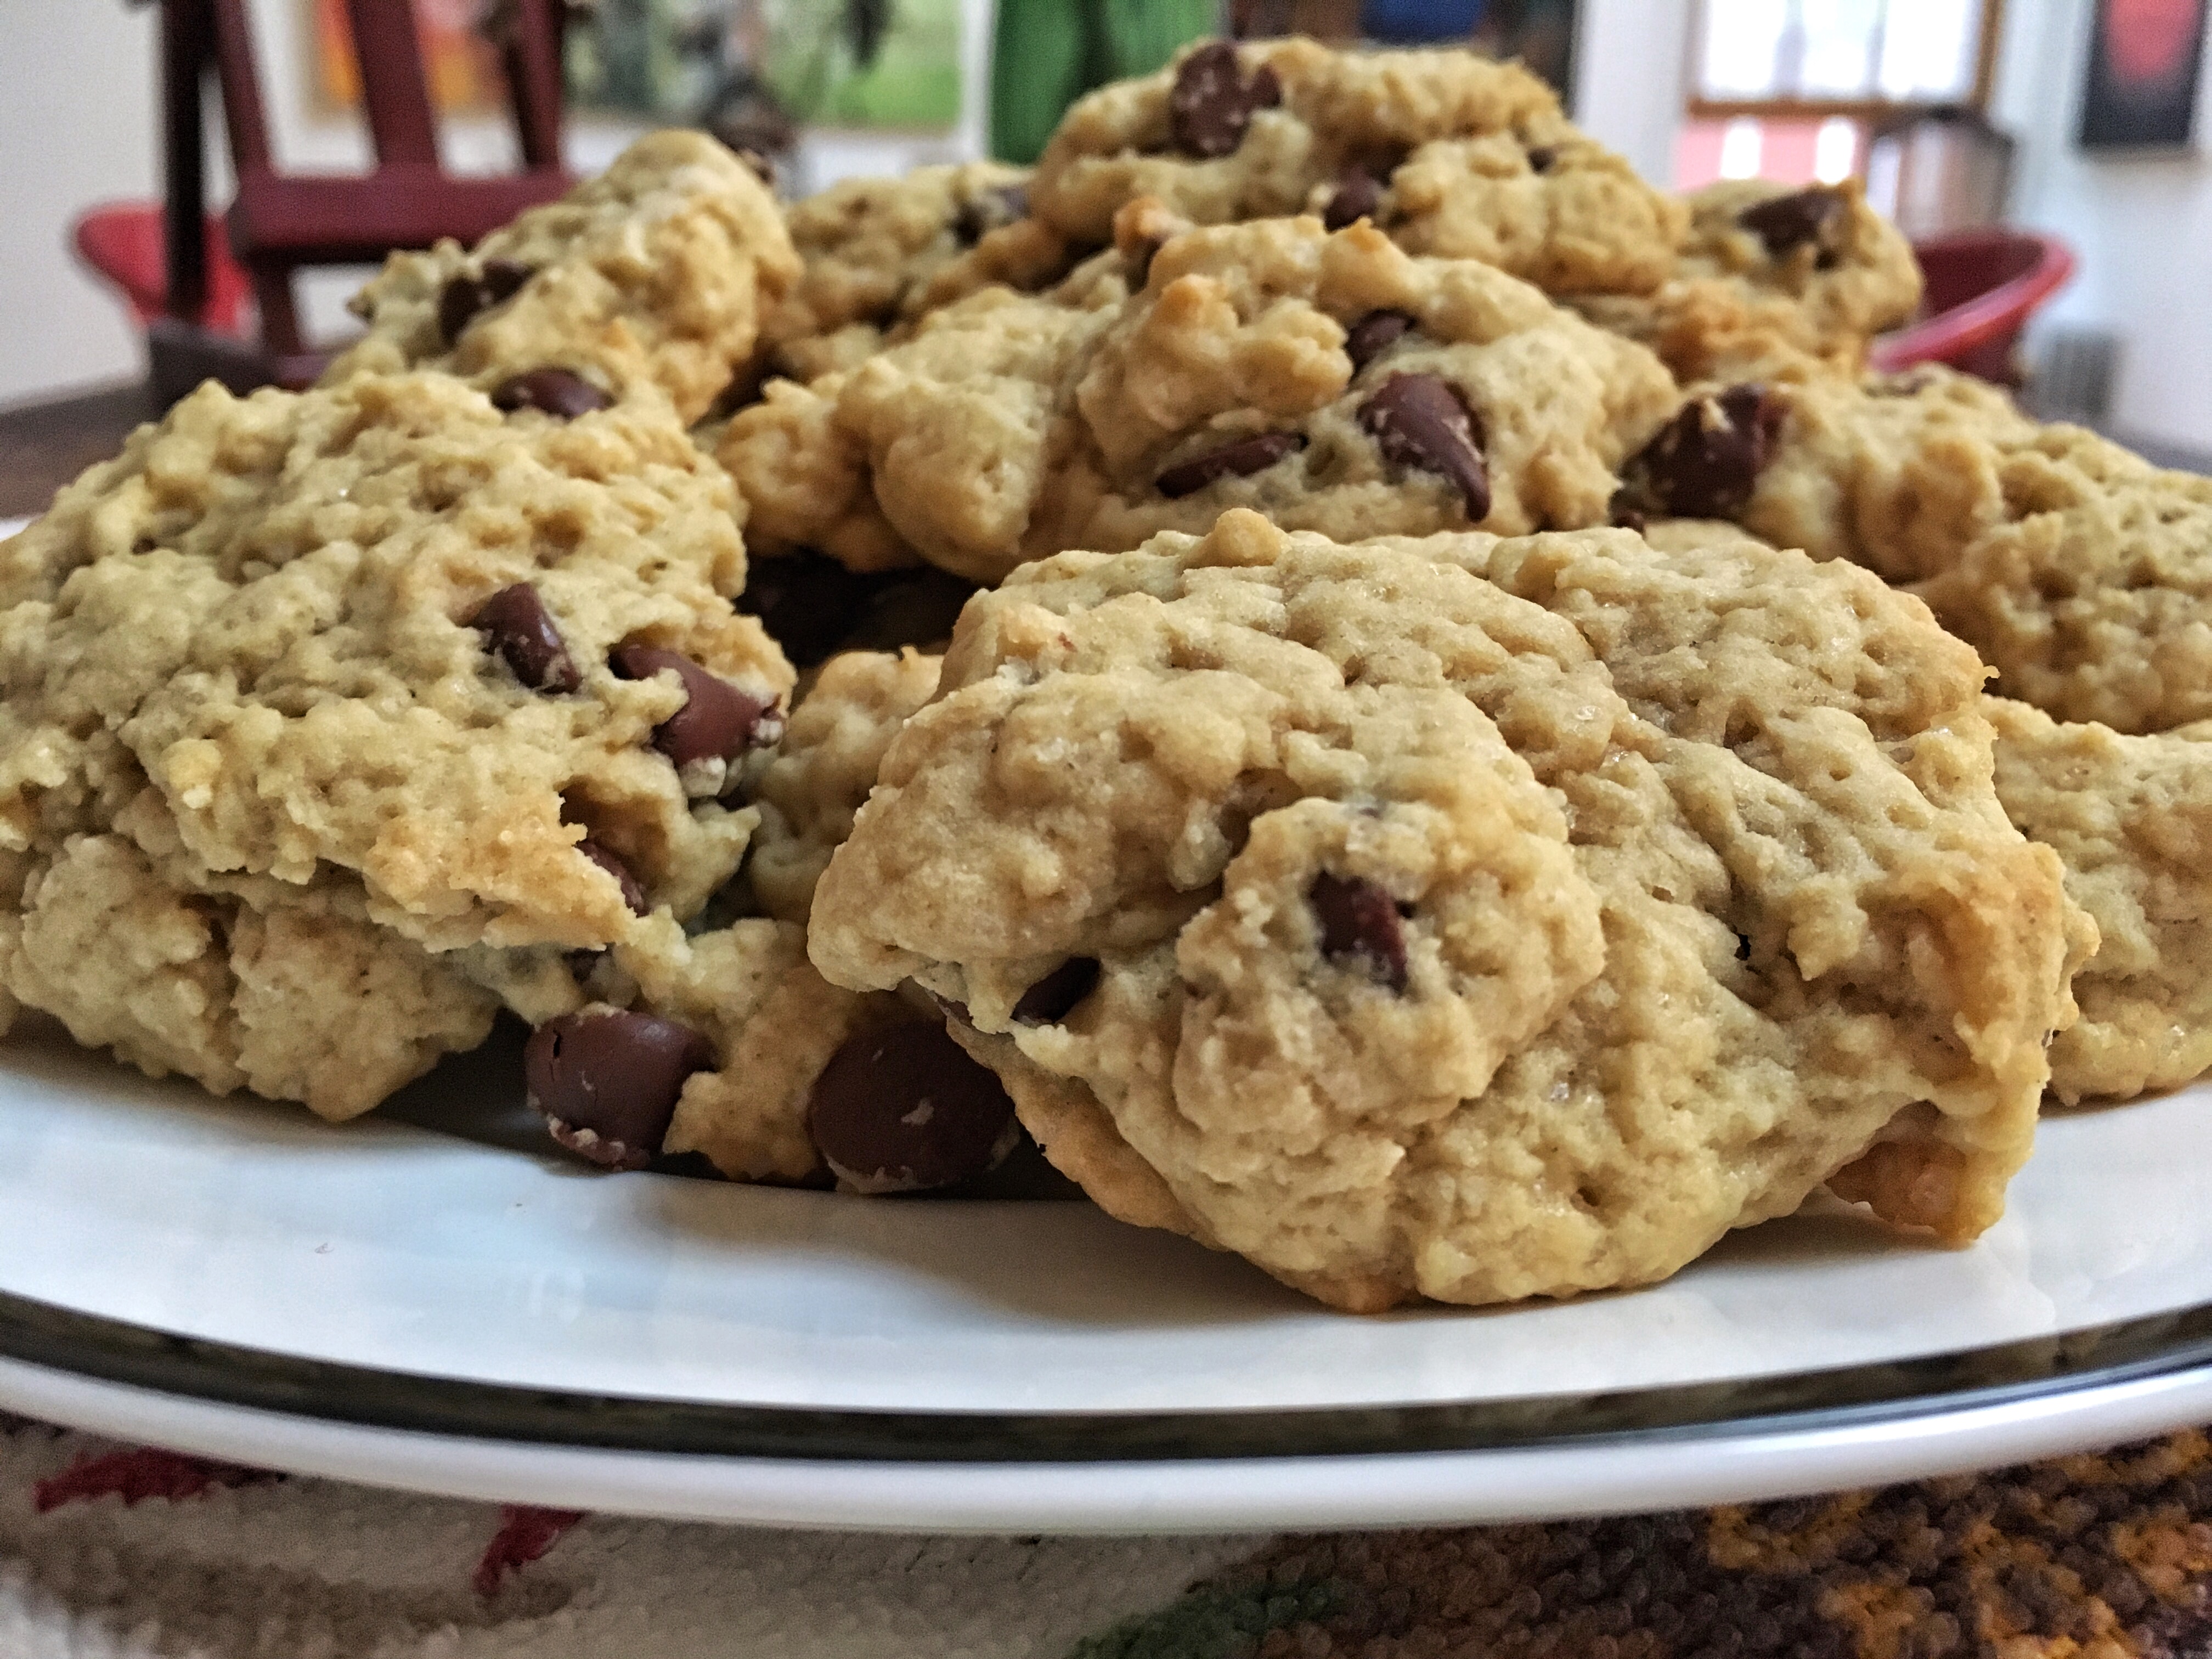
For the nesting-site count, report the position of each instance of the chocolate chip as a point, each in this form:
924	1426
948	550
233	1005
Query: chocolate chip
503	279
1053	998
1140	261
1358	194
1783	222
717	720
902	1108
1542	159
558	391
608	1082
464	296
1743	947
460	300
1371	334
980	215
521	631
1704	462
1239	460
1212	102
1360	923
633	895
1422	420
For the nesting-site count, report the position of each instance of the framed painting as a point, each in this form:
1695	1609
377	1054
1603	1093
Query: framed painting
2145	59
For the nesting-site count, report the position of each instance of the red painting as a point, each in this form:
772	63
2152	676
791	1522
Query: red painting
2143	65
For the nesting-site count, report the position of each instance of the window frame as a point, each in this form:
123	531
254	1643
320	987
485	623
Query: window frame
1874	113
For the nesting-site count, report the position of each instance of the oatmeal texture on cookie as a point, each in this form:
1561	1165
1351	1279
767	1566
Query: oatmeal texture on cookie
879	252
381	661
1771	273
1331	381
1452	153
805	478
2131	818
810	786
2081	573
289	1002
1370	1013
659	273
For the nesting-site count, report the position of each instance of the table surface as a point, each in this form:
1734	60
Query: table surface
46	444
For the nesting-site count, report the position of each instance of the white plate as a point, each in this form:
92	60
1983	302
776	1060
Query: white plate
428	1300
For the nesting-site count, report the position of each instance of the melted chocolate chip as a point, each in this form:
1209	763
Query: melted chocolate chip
902	1108
1212	102
1704	462
1053	998
1542	159
503	278
463	296
1358	193
1237	461
979	216
717	720
521	631
1371	334
632	894
559	392
1783	222
1624	517
1359	924
608	1082
1420	420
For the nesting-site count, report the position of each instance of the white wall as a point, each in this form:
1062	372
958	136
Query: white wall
1631	59
2141	227
77	123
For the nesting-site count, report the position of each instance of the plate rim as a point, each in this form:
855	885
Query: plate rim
1258	1495
177	1366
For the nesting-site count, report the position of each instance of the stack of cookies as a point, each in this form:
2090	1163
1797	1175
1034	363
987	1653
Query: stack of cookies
1390	697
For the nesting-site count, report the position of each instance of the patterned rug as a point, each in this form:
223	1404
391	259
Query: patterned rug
126	1552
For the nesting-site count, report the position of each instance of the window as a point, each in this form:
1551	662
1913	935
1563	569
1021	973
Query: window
1798	89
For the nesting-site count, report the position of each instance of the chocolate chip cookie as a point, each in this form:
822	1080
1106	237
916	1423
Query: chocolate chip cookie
658	273
1452	153
1467	918
1330	380
879	252
385	656
2131	818
1770	274
810	785
2081	574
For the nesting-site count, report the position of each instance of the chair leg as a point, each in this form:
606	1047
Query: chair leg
180	356
187	49
280	315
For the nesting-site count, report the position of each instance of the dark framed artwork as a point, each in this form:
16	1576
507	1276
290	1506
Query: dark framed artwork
2144	60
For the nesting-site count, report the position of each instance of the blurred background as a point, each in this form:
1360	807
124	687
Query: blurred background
2079	119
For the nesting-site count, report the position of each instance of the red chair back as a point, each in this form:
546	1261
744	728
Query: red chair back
279	222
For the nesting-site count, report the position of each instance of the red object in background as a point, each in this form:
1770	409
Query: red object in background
1983	286
123	242
2150	39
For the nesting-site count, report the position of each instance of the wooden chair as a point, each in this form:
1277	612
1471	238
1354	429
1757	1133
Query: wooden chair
280	223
